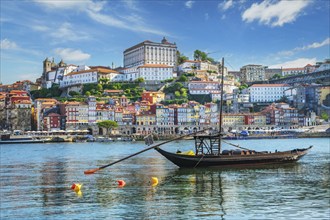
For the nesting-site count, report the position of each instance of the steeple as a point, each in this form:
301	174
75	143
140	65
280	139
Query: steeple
47	65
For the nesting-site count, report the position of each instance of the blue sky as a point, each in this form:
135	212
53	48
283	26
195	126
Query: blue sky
268	32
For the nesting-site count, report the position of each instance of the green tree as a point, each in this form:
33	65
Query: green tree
139	80
74	93
88	93
277	76
108	124
177	94
182	78
243	86
200	55
99	87
325	116
181	58
104	80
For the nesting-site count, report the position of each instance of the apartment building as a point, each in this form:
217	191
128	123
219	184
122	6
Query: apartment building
267	92
252	72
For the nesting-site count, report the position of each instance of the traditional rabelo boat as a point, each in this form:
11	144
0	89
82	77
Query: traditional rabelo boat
208	151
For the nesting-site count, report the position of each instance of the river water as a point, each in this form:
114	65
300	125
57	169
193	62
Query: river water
36	183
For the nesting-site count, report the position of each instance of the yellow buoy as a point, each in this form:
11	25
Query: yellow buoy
154	181
76	187
79	193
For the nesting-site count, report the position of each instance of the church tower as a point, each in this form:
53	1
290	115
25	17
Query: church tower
47	66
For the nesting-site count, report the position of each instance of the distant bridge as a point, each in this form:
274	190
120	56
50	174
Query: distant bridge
323	76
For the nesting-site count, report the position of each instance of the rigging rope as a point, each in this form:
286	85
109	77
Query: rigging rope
235	145
199	161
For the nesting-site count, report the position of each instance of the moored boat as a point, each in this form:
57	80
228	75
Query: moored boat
208	151
233	158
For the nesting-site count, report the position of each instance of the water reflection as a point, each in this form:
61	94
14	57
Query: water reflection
53	186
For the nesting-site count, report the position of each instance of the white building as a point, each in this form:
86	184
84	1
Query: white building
203	87
293	71
79	77
155	72
267	92
87	75
150	60
56	75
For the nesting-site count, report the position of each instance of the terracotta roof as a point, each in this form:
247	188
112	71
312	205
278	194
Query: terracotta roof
98	70
18	91
191	61
154	66
270	85
22	101
46	99
288	69
113	91
205	82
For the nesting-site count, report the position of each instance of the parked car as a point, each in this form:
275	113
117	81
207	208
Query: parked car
244	133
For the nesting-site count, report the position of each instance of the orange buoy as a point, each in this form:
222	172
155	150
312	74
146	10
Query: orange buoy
121	183
154	181
76	187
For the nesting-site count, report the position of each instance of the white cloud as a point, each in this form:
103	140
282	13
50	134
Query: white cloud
274	13
70	54
8	45
189	4
316	44
93	10
301	62
41	28
136	24
66	33
225	5
72	4
307	47
131	4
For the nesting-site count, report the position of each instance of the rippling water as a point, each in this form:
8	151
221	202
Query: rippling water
36	181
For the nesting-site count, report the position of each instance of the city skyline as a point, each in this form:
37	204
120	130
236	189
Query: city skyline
271	33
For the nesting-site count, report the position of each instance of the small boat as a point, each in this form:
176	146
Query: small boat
233	158
208	151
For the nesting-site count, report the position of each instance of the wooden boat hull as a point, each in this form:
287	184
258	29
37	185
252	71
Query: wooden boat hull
258	158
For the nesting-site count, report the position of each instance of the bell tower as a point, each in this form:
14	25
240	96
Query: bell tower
47	66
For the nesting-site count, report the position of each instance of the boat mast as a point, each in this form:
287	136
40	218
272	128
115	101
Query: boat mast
221	99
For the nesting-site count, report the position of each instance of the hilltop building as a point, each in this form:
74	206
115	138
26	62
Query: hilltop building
52	72
252	72
150	60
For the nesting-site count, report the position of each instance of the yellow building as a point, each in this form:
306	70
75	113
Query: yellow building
233	119
145	118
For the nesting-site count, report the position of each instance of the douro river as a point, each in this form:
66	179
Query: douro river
36	182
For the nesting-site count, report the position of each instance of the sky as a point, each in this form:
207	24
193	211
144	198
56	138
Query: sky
291	33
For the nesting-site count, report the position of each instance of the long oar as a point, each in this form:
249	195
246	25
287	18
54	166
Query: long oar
92	171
